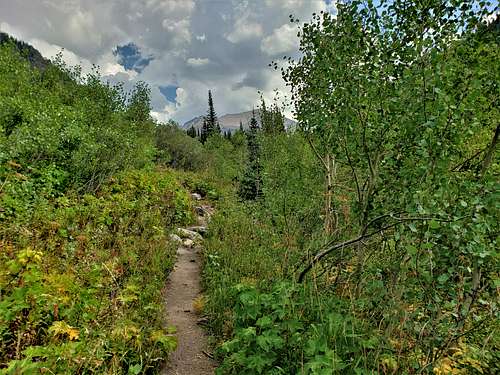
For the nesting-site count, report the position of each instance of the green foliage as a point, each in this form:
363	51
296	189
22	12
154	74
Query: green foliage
191	132
291	185
139	103
280	332
81	282
211	125
60	120
406	127
251	180
398	130
198	184
224	159
272	119
178	149
83	255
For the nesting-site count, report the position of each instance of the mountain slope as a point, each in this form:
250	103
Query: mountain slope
231	121
32	54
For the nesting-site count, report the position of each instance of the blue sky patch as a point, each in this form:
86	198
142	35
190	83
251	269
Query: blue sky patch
130	57
169	92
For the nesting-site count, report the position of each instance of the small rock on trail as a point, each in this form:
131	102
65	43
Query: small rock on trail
196	196
186	233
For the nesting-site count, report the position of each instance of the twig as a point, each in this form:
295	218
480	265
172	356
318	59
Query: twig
461	164
209	355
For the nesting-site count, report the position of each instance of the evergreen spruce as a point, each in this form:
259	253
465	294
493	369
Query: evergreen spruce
278	119
210	123
266	118
251	182
191	132
205	131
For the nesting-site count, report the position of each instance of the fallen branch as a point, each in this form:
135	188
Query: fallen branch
365	235
320	255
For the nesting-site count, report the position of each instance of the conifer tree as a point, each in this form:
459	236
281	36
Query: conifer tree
278	119
266	118
251	182
210	123
272	119
205	131
191	132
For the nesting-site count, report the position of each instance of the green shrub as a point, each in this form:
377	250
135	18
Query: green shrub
81	281
59	119
177	149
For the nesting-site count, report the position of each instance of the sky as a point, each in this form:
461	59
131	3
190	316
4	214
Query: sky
181	48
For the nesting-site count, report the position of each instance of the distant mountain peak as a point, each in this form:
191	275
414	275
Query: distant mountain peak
231	121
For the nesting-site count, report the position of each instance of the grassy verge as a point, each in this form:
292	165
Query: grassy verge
81	276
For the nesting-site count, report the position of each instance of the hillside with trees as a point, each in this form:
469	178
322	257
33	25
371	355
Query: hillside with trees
363	241
84	223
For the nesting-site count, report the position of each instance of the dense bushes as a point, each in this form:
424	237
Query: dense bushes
380	212
71	125
81	282
177	149
84	251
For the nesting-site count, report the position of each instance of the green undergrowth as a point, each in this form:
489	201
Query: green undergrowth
81	275
264	322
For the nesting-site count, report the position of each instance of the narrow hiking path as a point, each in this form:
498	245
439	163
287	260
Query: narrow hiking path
183	287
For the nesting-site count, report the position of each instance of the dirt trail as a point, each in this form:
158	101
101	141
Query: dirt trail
183	287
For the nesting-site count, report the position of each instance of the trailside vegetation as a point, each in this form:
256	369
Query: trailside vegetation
374	245
84	223
363	241
251	181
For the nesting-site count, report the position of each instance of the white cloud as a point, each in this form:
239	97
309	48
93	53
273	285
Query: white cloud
172	7
12	31
182	96
111	68
244	30
194	61
302	7
179	30
283	39
165	113
197	45
245	26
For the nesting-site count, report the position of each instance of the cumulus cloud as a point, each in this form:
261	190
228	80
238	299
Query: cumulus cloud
179	29
244	30
189	46
283	39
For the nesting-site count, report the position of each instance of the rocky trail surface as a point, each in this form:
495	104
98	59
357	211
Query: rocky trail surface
192	356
